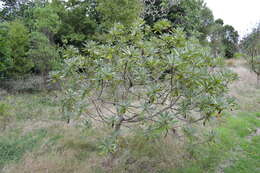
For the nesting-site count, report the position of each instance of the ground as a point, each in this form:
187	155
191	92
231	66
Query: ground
35	138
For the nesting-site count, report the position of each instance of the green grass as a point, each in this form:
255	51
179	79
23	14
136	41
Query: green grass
232	151
13	146
70	147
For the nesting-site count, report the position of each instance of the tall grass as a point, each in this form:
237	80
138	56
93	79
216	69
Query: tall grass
38	140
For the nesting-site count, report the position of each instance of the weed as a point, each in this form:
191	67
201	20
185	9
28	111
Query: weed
5	115
13	147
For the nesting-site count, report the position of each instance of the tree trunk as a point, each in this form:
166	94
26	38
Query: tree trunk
118	124
258	81
45	78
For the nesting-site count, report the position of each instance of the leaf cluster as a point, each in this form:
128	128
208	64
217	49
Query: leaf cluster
137	77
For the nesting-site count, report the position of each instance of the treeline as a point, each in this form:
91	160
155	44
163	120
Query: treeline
34	34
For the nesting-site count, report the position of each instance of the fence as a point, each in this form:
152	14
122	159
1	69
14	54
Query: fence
26	83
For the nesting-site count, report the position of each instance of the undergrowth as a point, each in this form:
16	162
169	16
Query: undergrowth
13	146
37	139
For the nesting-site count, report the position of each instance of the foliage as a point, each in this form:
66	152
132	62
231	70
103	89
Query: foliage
67	148
192	15
14	41
47	21
5	59
78	21
230	41
155	10
223	39
14	9
118	11
251	47
152	82
216	37
5	115
43	54
73	22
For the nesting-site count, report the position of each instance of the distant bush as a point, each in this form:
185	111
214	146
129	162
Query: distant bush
238	55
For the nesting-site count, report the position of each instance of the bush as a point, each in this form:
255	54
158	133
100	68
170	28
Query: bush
147	80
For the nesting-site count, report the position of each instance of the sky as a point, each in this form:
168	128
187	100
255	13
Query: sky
243	15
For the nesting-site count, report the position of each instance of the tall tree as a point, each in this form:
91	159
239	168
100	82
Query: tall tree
215	38
191	15
43	54
46	20
223	39
119	11
5	51
230	40
14	45
13	9
79	21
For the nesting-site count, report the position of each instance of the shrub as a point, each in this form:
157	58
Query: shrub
137	78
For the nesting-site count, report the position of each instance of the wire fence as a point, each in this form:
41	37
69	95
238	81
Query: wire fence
27	83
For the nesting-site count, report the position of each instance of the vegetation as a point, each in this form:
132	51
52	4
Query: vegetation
73	22
126	86
229	144
152	83
251	47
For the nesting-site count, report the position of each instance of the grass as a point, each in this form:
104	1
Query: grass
13	146
230	150
37	139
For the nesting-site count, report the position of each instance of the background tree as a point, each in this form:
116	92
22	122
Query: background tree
43	54
15	44
79	21
155	10
46	21
223	39
230	41
251	47
191	15
118	11
215	38
16	9
74	22
5	52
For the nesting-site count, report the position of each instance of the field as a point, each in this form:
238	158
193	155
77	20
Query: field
35	138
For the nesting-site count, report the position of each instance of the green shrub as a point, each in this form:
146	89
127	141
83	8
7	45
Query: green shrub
145	78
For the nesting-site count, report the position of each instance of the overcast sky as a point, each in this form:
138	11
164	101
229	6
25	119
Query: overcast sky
242	14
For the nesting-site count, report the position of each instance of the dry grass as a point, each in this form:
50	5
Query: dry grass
65	150
73	149
245	89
